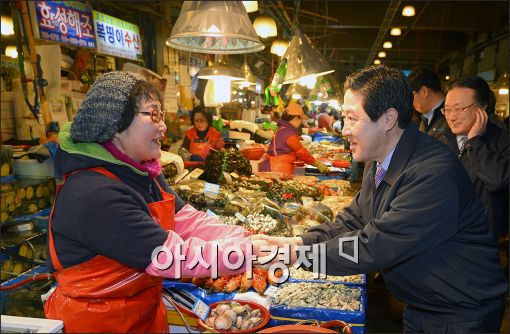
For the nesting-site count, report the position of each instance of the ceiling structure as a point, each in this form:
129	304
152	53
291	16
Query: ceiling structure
351	33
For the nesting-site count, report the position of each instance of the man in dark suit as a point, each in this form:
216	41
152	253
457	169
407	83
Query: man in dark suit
481	146
428	100
417	217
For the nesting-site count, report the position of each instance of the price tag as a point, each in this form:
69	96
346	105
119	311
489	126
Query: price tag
211	214
196	173
211	188
234	175
180	177
25	227
201	309
272	291
239	216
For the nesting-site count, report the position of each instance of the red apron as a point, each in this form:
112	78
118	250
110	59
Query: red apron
103	295
200	149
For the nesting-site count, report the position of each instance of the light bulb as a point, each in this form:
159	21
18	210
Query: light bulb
279	47
396	32
308	81
377	62
11	51
503	91
387	45
408	11
222	86
7	25
381	54
251	6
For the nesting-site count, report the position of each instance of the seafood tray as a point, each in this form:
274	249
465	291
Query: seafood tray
224	287
301	275
332	301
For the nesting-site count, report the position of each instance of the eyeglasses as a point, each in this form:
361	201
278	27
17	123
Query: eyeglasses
155	115
457	110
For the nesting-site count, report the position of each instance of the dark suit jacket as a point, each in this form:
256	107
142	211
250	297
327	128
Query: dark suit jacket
486	161
438	126
424	227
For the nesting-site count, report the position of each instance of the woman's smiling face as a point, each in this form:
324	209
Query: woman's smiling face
141	140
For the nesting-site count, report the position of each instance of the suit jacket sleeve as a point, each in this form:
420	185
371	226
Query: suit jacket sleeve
350	219
488	158
415	222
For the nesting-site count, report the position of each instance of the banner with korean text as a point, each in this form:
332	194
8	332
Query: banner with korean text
68	22
116	37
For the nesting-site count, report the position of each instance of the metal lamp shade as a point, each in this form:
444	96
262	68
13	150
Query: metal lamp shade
218	27
220	70
249	78
303	60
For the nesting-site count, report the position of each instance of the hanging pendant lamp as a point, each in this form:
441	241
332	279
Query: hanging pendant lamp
265	26
220	70
249	78
303	60
218	27
279	47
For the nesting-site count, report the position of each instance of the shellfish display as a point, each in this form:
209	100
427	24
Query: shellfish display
320	295
298	273
234	316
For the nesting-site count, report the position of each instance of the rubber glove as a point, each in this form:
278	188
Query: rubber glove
322	167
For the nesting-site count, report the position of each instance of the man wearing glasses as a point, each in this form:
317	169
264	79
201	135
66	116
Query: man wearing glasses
481	146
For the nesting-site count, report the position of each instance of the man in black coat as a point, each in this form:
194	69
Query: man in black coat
481	146
428	99
417	217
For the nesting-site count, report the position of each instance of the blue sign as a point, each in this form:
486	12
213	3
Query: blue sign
68	22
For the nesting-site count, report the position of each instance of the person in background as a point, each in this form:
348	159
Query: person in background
114	210
286	147
202	137
338	124
428	100
417	217
325	119
481	146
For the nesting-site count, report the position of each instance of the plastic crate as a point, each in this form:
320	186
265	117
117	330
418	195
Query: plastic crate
25	301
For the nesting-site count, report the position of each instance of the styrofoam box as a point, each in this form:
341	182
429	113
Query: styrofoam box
30	325
239	135
33	168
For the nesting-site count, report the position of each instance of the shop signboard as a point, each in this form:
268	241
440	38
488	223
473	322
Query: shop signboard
116	37
68	22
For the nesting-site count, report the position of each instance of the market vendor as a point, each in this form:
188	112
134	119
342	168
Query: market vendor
286	147
417	217
202	137
115	209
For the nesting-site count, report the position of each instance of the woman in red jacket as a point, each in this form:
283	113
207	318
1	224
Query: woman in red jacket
286	145
202	137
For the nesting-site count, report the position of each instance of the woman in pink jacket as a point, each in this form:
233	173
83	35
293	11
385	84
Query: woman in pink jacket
116	228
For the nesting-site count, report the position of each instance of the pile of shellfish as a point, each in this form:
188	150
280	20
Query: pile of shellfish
320	295
232	316
299	273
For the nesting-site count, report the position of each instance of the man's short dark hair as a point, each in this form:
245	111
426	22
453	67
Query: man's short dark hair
382	88
479	85
422	76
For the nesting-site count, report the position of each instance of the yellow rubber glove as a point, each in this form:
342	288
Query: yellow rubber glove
322	167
